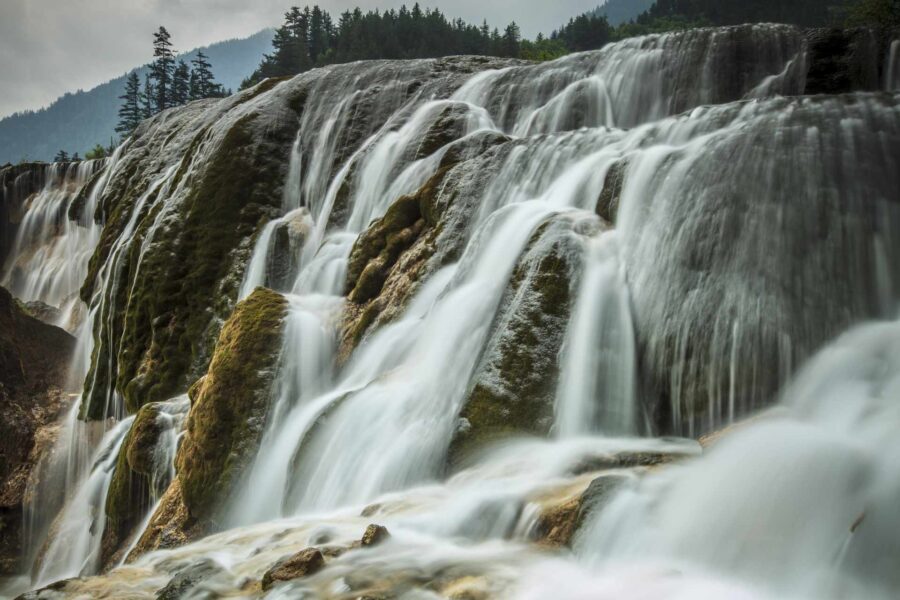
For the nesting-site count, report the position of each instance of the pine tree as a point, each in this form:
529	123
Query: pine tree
181	84
511	39
61	156
98	151
148	96
162	69
202	84
130	113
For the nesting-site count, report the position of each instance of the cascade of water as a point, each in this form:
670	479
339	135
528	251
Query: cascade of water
354	429
688	281
892	68
640	79
169	422
72	547
801	503
49	256
598	382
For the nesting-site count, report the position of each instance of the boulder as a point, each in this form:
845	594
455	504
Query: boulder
229	408
374	535
306	562
188	578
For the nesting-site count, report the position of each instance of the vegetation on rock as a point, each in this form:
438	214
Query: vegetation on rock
229	409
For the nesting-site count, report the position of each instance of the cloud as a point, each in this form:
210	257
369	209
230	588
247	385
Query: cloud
55	46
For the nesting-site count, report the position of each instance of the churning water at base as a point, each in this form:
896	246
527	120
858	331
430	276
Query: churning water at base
706	254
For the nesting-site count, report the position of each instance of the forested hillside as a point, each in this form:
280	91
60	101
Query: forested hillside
77	121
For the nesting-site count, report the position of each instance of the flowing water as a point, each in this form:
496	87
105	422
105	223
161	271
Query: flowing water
717	230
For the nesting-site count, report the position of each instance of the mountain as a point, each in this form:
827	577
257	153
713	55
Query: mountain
622	11
76	122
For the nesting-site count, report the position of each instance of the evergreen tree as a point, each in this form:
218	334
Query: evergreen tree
202	83
181	83
148	96
162	69
98	151
130	113
61	156
511	39
76	158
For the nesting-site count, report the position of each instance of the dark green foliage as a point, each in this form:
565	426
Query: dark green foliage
877	13
162	70
98	151
202	83
61	156
130	113
181	84
585	32
147	95
311	38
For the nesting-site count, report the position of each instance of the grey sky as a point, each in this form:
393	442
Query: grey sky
49	47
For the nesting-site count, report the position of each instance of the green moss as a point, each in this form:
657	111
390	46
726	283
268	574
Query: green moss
179	290
130	494
514	390
229	409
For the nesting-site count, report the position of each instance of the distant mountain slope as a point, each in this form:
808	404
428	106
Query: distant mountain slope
622	11
76	122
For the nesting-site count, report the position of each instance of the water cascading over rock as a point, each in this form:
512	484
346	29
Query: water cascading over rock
641	240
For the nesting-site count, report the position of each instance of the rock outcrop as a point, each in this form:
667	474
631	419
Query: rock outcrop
34	361
514	387
229	404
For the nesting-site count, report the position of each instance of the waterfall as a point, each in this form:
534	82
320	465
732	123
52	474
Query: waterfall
500	282
372	431
799	503
892	68
49	256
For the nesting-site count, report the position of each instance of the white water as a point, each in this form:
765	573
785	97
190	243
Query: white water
49	258
708	246
800	504
74	548
598	384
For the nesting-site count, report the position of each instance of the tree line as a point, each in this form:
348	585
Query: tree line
166	85
311	37
169	83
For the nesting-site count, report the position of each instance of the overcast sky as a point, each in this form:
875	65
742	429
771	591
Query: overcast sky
48	47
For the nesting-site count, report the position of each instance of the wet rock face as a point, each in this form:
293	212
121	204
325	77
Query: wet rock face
514	387
34	359
729	246
229	408
142	473
187	579
285	247
842	60
170	526
202	180
306	562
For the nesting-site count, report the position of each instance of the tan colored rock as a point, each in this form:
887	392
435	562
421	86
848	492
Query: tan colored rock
374	535
303	564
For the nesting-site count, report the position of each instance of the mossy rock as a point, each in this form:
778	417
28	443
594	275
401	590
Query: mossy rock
608	202
229	410
133	487
176	291
514	387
